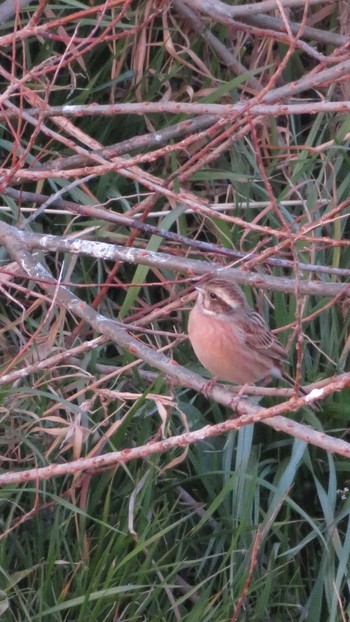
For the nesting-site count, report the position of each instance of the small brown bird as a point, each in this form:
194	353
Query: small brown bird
230	339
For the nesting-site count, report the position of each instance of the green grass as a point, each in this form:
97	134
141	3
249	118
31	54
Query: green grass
141	550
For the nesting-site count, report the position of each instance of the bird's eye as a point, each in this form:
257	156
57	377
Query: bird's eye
213	296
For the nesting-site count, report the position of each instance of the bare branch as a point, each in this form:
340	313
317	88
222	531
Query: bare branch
101	250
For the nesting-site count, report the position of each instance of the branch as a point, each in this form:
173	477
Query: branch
113	252
321	36
217	8
170	107
124	456
91	211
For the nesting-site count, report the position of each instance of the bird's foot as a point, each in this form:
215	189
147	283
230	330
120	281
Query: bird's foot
208	386
234	402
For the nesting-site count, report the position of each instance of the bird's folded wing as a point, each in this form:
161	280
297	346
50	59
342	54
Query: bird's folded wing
260	338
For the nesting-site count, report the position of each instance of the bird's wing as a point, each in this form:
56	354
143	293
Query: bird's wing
260	338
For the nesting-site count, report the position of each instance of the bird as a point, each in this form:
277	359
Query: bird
232	340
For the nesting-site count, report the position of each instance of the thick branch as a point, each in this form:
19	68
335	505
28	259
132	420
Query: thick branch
115	458
90	211
170	107
113	252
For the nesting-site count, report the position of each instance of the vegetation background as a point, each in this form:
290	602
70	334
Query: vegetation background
158	141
